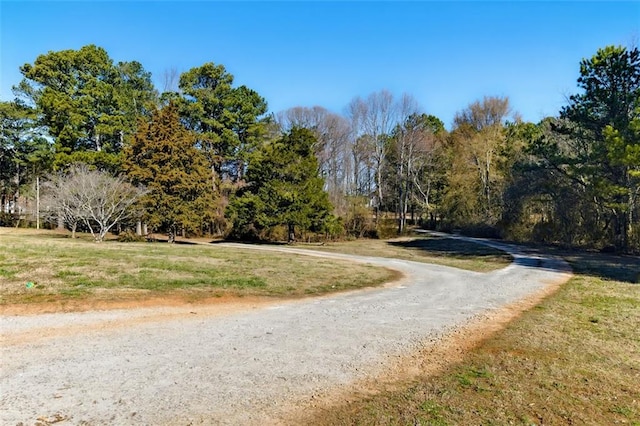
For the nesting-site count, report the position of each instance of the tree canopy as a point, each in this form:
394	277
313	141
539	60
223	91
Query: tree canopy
283	189
226	119
593	147
163	157
215	162
88	104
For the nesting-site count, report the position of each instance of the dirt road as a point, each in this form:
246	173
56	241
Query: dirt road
248	364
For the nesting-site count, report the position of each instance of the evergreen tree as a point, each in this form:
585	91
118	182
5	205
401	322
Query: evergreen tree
594	146
89	105
283	189
163	157
225	118
25	153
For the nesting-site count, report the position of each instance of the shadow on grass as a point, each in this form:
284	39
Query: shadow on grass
606	266
250	242
613	267
450	247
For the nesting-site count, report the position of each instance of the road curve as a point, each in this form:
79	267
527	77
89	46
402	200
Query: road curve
191	365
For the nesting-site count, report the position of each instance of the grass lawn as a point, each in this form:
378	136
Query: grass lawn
440	251
44	266
573	359
47	266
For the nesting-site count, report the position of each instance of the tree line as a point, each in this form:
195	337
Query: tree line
204	156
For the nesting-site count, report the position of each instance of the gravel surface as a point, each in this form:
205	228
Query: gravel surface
199	365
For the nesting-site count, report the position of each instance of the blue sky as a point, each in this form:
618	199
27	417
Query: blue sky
445	54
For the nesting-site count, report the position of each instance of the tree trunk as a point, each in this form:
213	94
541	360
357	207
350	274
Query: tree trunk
292	235
214	175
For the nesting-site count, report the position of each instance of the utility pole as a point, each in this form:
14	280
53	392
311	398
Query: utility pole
37	202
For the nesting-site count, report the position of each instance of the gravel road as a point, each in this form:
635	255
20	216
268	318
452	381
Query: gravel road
207	365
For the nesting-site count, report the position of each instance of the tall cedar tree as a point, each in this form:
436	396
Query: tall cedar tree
163	157
283	189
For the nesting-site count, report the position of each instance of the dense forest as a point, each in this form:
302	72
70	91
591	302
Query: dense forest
93	145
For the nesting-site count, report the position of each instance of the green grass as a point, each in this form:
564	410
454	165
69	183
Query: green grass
62	268
6	273
440	251
572	359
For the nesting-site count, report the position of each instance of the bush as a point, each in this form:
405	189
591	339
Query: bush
8	219
359	222
387	228
129	236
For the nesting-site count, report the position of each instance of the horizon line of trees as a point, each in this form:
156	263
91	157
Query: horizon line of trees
206	157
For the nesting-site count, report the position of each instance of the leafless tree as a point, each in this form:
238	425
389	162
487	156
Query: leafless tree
170	79
373	120
407	137
61	202
94	197
490	112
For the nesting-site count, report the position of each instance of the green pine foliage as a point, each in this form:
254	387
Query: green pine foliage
226	119
585	163
283	189
89	105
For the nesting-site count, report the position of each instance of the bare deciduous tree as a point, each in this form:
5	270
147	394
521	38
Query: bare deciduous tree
94	197
373	120
407	137
60	202
170	79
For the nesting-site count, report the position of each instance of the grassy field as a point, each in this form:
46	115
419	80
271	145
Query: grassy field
440	251
572	360
48	267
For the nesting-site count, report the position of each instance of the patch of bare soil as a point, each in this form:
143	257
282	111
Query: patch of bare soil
184	307
93	304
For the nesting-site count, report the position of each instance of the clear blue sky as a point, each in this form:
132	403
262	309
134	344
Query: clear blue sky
446	54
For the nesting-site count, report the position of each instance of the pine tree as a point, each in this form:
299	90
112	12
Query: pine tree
283	189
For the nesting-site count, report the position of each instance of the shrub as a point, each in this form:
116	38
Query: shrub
129	236
8	219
